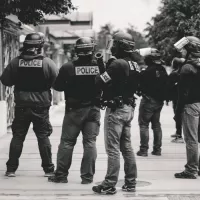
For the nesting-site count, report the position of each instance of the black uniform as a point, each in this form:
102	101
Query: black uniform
153	82
173	95
77	80
189	107
32	76
153	85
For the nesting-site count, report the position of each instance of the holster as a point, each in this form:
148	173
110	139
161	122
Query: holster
118	102
72	105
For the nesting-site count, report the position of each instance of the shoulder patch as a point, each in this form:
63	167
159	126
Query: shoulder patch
30	63
105	77
86	70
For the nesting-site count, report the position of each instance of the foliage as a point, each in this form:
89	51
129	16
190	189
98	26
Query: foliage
177	18
104	35
140	42
107	31
32	11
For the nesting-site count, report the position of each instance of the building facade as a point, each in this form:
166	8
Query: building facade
10	31
61	33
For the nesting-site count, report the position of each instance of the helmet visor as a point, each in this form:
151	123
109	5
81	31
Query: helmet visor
145	51
84	49
181	44
149	52
126	45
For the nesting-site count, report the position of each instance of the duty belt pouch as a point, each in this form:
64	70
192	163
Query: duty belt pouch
77	105
117	102
130	102
97	102
112	105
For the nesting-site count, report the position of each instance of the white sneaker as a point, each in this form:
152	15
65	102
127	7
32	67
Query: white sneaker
10	174
178	140
49	174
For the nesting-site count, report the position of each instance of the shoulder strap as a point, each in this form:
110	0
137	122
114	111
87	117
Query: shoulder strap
133	66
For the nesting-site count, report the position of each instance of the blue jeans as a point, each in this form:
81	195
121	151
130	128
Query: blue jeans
86	120
149	111
117	135
191	118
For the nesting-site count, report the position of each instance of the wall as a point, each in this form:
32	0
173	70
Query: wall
10	50
9	45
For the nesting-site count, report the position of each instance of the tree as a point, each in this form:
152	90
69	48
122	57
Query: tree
32	11
140	41
104	35
177	18
107	31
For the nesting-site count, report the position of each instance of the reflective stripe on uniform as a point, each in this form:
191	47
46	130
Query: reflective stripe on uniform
133	66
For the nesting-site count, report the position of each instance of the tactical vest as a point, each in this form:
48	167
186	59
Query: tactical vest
192	93
133	79
30	75
124	86
154	82
81	81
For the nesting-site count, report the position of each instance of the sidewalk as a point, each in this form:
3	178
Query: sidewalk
155	174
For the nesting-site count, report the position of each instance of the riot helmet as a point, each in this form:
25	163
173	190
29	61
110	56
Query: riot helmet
177	63
190	44
85	46
121	43
42	36
151	56
33	42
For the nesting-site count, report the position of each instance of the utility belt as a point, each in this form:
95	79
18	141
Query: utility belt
117	102
73	104
191	101
19	89
151	98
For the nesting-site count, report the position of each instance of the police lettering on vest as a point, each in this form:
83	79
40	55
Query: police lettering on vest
30	63
86	70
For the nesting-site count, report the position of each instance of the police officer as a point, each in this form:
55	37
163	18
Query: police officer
153	83
173	95
82	113
32	76
120	81
189	103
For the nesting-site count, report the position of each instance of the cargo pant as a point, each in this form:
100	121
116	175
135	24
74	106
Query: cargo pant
117	135
87	121
191	130
39	116
149	112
